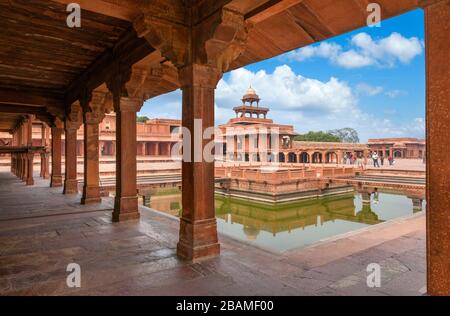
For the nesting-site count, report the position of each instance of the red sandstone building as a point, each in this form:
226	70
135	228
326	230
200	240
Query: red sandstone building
126	53
154	137
252	137
412	148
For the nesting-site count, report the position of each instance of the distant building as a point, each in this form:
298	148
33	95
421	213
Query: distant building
154	137
248	135
412	148
243	139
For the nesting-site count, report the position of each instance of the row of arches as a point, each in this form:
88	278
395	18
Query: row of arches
305	157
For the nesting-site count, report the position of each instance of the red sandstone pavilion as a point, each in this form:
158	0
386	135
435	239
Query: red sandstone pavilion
129	51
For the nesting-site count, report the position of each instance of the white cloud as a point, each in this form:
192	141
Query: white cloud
366	89
395	93
284	90
306	103
364	51
324	50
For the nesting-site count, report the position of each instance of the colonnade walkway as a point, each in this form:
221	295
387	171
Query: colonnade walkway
42	231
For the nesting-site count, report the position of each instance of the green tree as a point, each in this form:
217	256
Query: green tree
142	119
318	137
346	135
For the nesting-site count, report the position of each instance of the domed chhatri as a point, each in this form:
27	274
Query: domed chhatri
250	96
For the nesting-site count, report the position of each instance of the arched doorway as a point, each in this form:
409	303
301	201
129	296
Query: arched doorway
281	157
304	157
317	157
397	154
331	157
292	157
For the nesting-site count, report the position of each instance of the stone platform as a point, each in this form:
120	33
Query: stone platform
42	231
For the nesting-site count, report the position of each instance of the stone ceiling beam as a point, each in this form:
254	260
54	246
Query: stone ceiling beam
269	9
28	98
21	109
129	50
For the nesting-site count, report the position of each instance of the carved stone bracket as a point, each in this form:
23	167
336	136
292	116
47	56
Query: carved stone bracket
223	38
93	105
74	118
215	41
169	38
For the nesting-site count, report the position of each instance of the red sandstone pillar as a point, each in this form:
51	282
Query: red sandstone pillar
198	229
126	200
437	17
21	166
43	143
70	181
29	179
56	177
45	164
93	115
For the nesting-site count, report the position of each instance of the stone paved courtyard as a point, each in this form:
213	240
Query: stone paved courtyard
42	231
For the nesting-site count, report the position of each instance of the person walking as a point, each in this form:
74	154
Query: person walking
359	162
391	160
375	160
382	160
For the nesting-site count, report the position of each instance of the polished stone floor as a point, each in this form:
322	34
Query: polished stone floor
42	231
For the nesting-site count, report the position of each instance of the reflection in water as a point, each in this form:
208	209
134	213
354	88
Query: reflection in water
296	224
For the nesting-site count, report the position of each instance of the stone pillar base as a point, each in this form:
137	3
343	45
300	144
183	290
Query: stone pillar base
198	240
70	186
125	209
91	195
56	181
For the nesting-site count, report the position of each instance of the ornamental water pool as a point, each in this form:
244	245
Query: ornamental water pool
298	224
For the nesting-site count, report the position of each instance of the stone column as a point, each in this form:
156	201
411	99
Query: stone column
45	164
24	168
126	200
21	167
168	149
437	26
198	230
202	53
12	163
44	144
93	114
30	157
27	128
56	177
71	125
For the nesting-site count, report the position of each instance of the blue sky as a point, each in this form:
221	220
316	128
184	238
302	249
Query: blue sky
372	79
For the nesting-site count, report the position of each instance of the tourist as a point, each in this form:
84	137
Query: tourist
382	160
391	160
360	162
375	160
